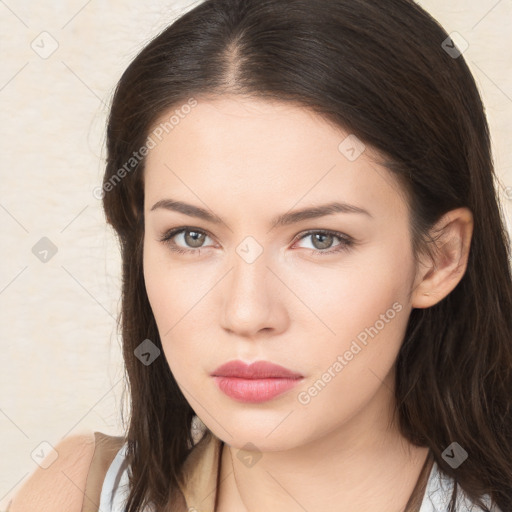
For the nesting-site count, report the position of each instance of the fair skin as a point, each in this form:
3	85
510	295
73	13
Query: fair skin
248	161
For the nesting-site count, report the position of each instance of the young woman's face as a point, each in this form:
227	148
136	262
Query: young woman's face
324	294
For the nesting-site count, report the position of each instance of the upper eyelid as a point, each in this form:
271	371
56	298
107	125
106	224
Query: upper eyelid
171	233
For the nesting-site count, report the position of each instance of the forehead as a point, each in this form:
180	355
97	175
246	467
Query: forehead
261	153
221	125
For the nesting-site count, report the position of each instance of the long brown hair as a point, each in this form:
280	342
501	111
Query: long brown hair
382	71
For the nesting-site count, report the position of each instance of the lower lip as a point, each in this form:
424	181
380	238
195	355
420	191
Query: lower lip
254	390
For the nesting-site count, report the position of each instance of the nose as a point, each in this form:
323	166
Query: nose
254	299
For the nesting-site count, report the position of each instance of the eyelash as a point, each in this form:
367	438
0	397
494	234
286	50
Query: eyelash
345	244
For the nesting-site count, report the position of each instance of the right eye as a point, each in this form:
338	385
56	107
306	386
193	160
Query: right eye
192	238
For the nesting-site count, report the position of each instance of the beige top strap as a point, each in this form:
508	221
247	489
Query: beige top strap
200	474
105	449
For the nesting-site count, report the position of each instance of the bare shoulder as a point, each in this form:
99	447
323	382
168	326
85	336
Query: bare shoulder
58	483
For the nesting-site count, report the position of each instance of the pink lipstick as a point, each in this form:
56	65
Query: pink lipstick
257	382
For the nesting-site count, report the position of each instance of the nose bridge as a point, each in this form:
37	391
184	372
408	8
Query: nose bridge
248	304
250	273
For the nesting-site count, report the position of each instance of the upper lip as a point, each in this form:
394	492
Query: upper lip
256	370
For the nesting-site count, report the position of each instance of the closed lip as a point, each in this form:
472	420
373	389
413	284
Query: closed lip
256	370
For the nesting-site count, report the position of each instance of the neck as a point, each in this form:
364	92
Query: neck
374	482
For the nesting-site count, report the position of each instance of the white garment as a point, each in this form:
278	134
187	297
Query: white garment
114	493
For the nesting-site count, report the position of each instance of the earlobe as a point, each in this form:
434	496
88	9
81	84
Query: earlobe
439	275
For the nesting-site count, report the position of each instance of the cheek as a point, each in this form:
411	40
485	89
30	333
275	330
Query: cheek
361	311
177	301
170	291
353	294
347	369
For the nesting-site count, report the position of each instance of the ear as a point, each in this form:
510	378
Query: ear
439	274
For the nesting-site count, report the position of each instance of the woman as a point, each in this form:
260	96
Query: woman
367	370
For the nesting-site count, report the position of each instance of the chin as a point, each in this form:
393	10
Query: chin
266	436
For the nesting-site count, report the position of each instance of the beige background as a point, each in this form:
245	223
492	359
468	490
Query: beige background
60	364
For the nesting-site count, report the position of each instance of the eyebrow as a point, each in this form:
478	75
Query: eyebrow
284	219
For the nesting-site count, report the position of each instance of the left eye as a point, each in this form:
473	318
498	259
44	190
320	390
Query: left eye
323	240
194	239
